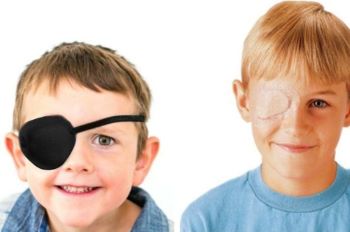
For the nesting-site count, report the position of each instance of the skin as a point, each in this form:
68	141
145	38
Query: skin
298	147
108	163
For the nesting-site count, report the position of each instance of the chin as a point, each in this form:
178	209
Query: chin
81	220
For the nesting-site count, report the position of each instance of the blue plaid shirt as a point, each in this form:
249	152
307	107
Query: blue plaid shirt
25	214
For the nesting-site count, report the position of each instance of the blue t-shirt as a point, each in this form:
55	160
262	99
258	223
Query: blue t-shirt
248	204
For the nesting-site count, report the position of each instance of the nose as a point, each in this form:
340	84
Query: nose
80	159
295	121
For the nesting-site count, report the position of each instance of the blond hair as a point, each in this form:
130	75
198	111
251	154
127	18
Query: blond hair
93	67
296	38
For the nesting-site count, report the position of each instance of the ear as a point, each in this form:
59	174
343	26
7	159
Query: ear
347	116
12	145
145	160
241	100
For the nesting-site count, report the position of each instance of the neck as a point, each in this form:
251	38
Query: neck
306	184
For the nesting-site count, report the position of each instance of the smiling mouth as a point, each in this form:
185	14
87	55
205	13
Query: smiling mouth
295	148
77	189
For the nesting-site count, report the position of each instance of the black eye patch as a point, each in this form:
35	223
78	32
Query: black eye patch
48	141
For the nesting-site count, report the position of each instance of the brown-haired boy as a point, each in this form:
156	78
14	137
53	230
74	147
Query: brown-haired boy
294	92
81	143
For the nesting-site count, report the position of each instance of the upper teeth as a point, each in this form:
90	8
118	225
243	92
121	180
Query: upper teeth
73	189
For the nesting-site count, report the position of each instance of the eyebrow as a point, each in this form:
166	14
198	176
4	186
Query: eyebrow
325	92
109	129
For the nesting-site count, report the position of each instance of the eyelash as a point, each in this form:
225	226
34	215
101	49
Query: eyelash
96	140
324	103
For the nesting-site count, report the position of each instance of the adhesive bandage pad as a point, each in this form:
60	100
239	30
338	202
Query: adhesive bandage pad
48	141
272	104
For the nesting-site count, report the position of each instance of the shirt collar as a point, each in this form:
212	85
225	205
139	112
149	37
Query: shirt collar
299	204
151	217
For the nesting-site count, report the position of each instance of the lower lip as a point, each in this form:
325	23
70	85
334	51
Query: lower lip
295	149
92	192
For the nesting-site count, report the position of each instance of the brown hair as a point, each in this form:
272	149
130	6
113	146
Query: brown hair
94	67
297	38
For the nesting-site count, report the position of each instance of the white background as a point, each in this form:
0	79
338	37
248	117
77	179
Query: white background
188	51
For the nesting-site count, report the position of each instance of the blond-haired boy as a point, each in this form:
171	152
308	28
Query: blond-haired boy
81	143
295	94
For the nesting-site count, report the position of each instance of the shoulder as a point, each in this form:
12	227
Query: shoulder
213	204
345	182
151	218
222	193
5	208
22	211
347	190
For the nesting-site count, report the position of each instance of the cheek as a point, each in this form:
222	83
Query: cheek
116	178
263	130
117	173
330	135
40	182
328	128
37	177
264	133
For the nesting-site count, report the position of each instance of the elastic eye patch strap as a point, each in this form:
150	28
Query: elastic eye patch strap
101	122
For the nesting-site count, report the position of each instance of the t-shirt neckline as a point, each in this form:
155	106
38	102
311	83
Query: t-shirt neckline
299	204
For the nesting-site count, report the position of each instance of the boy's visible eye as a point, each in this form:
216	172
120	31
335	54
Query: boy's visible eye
103	140
318	103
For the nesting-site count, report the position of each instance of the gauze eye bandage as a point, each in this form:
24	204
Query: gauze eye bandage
48	141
